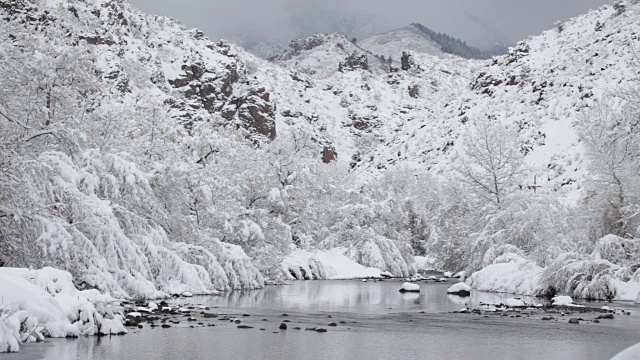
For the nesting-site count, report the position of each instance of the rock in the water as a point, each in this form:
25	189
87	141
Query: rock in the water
409	287
460	289
283	326
321	330
606	316
245	327
165	326
333	324
574	321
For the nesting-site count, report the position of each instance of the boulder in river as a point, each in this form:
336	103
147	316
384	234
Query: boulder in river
283	326
460	289
409	287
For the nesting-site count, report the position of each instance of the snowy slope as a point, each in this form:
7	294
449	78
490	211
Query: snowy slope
393	43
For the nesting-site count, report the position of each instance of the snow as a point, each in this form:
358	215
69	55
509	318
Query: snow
632	353
409	287
187	294
520	277
328	265
47	303
514	302
134	314
563	301
447	274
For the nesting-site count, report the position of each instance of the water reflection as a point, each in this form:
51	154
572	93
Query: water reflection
352	296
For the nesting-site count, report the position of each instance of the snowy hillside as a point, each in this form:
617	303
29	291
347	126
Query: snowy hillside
393	43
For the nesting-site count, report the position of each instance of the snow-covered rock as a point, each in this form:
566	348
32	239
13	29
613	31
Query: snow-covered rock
514	302
632	353
409	287
327	265
39	303
563	300
447	274
460	289
520	277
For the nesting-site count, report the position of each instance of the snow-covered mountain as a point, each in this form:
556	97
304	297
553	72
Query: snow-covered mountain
393	43
194	157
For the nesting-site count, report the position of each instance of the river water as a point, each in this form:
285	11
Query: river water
374	321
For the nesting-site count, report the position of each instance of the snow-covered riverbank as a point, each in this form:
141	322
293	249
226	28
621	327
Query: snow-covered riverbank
37	304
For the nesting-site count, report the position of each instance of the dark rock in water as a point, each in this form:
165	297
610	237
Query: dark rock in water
462	293
330	316
596	321
209	316
245	327
287	321
245	315
238	321
283	326
191	326
547	318
411	291
191	319
606	316
200	323
285	315
165	326
321	330
140	326
310	329
297	328
262	329
574	321
265	320
333	324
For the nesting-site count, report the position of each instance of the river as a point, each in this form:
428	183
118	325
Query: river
374	321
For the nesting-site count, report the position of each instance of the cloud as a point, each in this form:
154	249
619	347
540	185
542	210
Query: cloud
480	22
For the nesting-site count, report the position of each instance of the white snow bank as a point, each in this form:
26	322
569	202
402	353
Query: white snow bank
409	287
458	288
632	353
45	303
518	277
327	265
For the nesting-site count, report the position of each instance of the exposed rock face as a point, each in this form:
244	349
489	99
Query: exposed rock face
353	62
256	113
414	91
328	155
406	61
298	46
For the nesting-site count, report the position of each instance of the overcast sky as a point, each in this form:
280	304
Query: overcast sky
479	22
